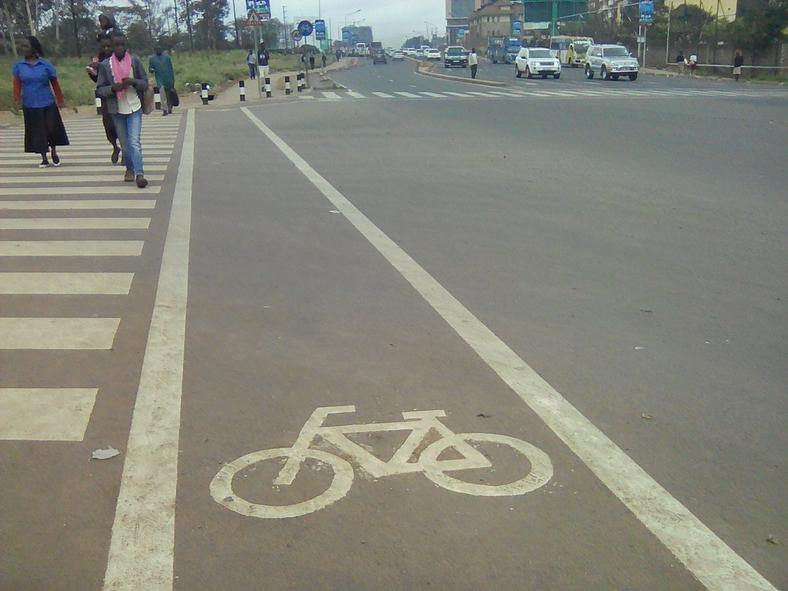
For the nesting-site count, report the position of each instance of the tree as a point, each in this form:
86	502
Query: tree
210	28
759	27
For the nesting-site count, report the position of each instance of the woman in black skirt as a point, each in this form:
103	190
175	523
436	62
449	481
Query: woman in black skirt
35	80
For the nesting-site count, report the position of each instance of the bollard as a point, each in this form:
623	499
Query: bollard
156	98
300	81
98	105
204	93
267	87
242	90
287	84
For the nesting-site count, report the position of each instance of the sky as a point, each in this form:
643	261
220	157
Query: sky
392	21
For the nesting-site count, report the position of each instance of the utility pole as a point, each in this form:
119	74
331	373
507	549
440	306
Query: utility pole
667	40
237	34
284	26
76	28
188	25
175	3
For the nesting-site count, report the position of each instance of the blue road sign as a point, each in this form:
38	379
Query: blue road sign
646	12
517	27
305	28
320	29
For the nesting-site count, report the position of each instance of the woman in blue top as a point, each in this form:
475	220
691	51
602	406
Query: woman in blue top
35	79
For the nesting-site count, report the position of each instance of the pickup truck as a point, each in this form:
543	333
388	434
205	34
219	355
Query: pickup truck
503	49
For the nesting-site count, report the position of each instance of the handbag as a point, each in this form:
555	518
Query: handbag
175	99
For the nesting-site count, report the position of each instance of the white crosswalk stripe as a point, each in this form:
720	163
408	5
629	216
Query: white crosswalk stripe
458	94
331	95
354	94
408	94
433	94
383	95
34	411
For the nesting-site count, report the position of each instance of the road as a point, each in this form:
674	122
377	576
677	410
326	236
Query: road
589	284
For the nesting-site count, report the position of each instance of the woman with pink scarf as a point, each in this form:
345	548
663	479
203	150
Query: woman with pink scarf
121	83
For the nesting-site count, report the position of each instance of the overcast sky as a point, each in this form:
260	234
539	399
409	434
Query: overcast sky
392	21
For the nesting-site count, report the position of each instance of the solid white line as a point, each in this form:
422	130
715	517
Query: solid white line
383	95
49	179
45	414
120	188
74	223
65	283
143	533
57	333
407	94
69	168
712	561
70	248
331	95
65	204
355	94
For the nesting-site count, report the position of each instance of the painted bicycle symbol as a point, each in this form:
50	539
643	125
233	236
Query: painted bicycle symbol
419	423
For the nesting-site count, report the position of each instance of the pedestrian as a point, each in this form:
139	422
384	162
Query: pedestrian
311	61
105	50
738	62
122	83
323	60
693	64
160	64
339	55
107	24
262	61
473	62
252	63
35	85
681	61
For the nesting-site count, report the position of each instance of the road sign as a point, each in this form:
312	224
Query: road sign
646	12
262	8
253	20
517	27
305	28
296	35
320	29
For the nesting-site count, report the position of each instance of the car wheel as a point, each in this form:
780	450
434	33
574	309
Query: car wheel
556	76
527	72
603	73
615	76
633	77
589	72
517	72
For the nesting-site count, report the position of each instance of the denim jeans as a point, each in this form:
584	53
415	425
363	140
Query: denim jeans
129	128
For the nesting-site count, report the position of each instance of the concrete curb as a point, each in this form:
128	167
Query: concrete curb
477	81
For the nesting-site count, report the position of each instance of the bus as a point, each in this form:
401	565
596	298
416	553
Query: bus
559	45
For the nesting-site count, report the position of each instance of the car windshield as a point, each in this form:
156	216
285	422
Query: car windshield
616	52
455	51
581	46
539	53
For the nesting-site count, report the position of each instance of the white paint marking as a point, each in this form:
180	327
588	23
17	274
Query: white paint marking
70	169
57	333
52	179
32	163
433	94
356	94
120	188
67	204
710	559
143	533
383	95
506	94
65	283
74	223
331	95
71	248
67	151
45	414
408	94
484	94
459	94
306	98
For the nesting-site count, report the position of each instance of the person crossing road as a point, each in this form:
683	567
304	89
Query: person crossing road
473	62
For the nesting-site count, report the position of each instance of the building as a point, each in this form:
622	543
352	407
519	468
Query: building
352	34
493	20
457	14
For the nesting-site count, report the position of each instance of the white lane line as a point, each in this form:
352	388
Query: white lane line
143	533
383	95
433	94
74	223
70	248
407	94
32	163
120	188
70	169
306	98
65	283
67	204
459	94
355	94
331	95
57	333
49	179
45	414
712	561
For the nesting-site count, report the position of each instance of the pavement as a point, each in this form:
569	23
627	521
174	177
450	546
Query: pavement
403	334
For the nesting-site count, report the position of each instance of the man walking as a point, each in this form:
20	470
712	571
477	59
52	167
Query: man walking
251	62
473	62
160	65
738	62
311	61
262	61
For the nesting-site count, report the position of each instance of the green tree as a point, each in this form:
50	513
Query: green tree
759	27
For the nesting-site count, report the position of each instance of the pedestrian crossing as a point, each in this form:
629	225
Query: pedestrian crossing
73	230
573	92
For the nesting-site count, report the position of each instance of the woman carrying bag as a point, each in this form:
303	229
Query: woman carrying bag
122	83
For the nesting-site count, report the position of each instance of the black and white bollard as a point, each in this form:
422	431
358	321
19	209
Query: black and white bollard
204	93
242	90
98	105
287	84
267	87
156	98
300	82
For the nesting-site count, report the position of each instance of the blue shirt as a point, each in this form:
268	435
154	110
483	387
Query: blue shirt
35	77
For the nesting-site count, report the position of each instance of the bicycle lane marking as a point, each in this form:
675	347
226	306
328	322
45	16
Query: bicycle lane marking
704	554
143	533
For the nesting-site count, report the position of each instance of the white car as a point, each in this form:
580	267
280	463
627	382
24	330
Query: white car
432	54
418	53
536	61
409	51
610	61
397	55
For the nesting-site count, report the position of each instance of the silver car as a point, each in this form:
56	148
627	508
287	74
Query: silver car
610	61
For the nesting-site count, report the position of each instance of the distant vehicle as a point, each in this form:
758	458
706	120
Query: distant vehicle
397	55
379	56
536	61
361	49
418	53
610	61
409	51
576	54
432	54
503	49
455	56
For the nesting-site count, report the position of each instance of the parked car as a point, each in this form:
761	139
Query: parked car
397	55
432	54
536	61
455	56
379	56
610	61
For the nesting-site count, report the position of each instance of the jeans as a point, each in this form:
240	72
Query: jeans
474	67
129	128
252	71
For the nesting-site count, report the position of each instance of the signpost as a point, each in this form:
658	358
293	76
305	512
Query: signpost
320	29
646	19
296	35
305	28
262	8
517	28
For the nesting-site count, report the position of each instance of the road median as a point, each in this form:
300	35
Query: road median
427	70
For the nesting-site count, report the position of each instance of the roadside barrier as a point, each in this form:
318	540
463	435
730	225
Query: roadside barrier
242	90
267	87
287	84
204	93
156	98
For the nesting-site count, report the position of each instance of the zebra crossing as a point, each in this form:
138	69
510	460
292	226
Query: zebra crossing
573	92
73	230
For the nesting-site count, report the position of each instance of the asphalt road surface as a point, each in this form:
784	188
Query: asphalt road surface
407	333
